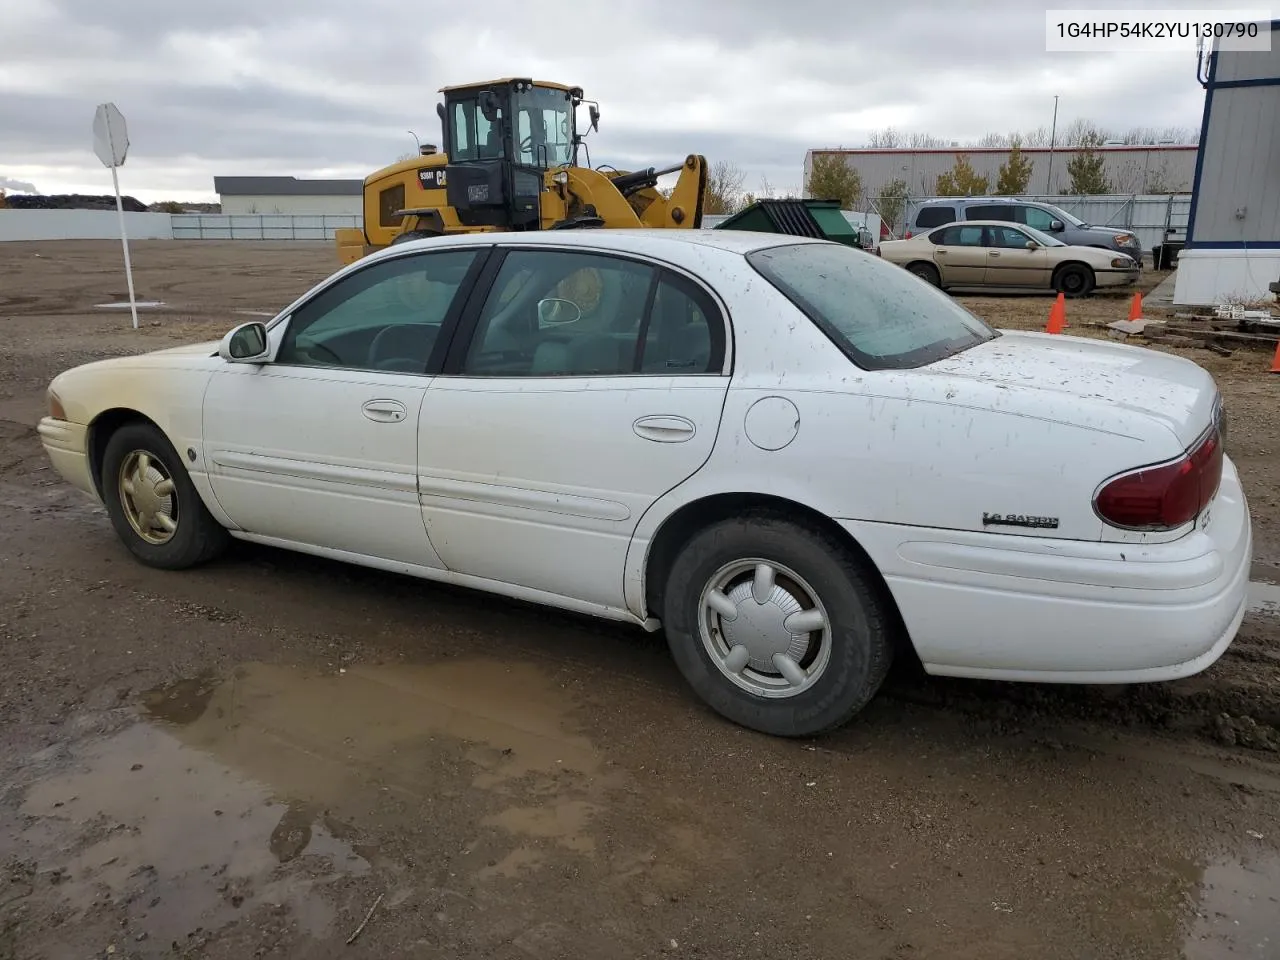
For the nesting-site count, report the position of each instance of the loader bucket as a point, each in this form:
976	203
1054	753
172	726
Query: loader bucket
820	219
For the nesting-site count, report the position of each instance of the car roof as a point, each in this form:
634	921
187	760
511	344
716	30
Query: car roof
643	240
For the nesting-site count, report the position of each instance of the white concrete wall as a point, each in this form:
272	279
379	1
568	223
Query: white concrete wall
350	205
1209	277
82	225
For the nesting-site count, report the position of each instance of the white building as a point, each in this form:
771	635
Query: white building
289	195
1233	233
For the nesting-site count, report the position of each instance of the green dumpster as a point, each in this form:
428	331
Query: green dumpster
820	219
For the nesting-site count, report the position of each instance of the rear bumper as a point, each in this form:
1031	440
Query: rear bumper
1055	611
65	445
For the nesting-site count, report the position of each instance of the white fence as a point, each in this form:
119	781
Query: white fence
249	226
81	225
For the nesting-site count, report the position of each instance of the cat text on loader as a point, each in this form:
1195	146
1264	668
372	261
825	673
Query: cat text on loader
510	162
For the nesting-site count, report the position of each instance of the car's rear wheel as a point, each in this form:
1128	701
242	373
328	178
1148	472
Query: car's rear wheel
1074	280
152	503
926	272
776	625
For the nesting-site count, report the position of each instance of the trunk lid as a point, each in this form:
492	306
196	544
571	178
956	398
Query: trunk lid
1170	390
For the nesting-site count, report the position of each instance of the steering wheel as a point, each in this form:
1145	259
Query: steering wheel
312	348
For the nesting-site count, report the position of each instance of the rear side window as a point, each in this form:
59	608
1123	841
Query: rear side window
934	217
991	211
878	314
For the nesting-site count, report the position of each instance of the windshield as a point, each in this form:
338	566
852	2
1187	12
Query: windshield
878	314
1040	237
544	127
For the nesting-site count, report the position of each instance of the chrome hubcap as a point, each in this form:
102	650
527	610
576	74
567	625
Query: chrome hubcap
147	496
765	628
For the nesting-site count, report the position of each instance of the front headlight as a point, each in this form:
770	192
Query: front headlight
1126	240
56	409
1122	263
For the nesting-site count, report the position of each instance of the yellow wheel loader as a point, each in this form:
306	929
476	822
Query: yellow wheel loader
510	162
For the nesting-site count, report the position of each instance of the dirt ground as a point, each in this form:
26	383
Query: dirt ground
255	758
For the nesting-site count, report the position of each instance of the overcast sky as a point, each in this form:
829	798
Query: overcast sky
330	88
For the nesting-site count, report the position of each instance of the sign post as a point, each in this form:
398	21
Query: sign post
111	144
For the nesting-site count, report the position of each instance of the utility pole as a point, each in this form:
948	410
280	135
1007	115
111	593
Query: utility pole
1053	135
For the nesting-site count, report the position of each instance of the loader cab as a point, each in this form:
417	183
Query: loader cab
501	138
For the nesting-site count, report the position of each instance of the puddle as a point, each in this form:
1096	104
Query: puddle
1264	598
178	840
140	304
233	793
1238	915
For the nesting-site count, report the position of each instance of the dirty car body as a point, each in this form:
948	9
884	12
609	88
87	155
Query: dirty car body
794	457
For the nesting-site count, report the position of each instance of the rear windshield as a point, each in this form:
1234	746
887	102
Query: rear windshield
880	315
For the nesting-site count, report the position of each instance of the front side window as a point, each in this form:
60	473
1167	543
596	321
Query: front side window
565	314
1008	238
879	315
385	317
1035	217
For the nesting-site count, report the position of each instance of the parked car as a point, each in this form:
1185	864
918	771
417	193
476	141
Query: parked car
792	456
1041	216
987	254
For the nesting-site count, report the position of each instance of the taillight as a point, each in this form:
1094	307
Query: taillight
1164	497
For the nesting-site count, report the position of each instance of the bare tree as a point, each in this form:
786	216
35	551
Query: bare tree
724	184
886	139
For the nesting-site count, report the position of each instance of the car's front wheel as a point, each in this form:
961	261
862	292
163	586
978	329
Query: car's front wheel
1074	280
777	625
152	503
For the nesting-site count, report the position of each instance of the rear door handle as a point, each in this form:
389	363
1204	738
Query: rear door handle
993	253
664	429
384	411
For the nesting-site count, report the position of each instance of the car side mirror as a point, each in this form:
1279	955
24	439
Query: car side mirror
553	312
1057	226
247	343
1032	245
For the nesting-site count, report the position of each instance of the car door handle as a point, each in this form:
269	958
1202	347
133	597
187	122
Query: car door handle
941	253
993	253
384	411
664	429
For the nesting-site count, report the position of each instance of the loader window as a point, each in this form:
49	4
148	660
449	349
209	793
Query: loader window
544	127
474	137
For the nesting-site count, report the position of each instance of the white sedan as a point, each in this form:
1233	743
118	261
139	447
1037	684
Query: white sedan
794	457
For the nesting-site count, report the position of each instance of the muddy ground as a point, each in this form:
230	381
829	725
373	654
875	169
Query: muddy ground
245	760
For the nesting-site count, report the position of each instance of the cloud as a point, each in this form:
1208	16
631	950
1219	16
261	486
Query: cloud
7	183
323	87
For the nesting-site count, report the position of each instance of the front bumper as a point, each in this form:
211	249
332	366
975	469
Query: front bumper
1060	611
65	444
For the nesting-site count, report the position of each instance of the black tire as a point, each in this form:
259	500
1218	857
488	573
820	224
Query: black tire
860	634
1074	280
926	272
197	536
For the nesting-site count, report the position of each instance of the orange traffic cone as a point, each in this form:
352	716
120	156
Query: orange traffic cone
1135	308
1057	315
1275	361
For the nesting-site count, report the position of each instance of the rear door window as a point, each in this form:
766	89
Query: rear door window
928	217
991	211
